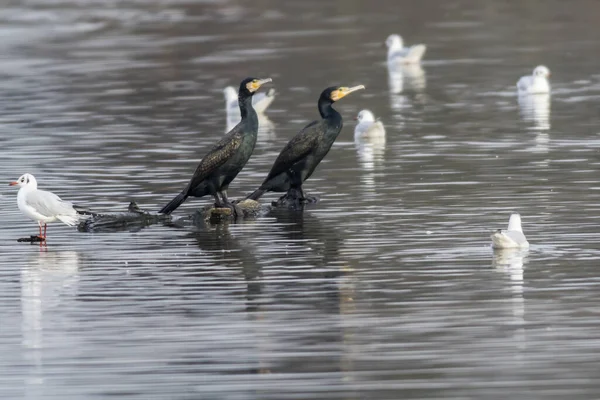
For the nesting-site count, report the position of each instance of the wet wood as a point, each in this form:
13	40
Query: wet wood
244	209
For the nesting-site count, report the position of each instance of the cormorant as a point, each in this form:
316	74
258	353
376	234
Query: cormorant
227	158
299	158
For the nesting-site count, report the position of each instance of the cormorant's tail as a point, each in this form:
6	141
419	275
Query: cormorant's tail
173	204
256	194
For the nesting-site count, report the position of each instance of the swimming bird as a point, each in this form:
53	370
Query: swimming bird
299	158
398	54
536	82
511	238
367	126
42	206
227	158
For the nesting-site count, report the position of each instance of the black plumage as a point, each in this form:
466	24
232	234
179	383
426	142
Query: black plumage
299	158
227	158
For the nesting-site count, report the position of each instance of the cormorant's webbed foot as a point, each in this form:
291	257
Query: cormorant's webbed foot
294	199
310	199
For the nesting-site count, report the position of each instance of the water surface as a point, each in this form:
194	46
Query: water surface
385	289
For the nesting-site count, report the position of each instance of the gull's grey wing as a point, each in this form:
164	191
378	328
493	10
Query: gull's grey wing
517	236
48	204
398	55
524	83
416	52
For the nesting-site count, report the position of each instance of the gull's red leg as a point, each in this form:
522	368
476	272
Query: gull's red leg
45	227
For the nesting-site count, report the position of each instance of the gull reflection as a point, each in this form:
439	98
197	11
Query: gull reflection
47	280
511	262
403	79
369	139
535	108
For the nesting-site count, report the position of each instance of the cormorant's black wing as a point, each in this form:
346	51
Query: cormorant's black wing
297	148
217	156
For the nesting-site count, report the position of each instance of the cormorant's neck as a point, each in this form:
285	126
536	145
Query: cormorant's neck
246	109
326	110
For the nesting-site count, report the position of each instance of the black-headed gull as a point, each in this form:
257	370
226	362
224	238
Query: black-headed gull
511	238
398	54
535	83
42	206
367	126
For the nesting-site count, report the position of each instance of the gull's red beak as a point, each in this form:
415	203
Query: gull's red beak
13	183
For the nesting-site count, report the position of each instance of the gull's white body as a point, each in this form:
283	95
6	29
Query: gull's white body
368	127
535	83
398	54
511	238
260	102
42	206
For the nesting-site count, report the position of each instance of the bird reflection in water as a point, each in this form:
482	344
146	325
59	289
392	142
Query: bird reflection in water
369	140
48	281
404	80
535	110
218	242
511	262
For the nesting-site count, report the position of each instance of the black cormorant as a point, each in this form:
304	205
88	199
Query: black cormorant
227	158
299	158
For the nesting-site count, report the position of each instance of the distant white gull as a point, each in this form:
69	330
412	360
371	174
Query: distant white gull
535	83
42	206
511	238
398	54
367	126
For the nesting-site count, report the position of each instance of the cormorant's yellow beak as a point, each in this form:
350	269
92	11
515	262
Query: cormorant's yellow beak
257	83
344	91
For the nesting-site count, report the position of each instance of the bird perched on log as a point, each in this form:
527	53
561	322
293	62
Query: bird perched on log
299	158
227	158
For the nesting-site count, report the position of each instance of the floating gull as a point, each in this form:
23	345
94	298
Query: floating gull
511	238
42	206
398	54
535	83
367	126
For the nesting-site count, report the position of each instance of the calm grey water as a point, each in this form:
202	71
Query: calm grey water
388	287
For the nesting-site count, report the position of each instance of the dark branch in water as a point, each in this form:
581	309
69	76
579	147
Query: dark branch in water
135	219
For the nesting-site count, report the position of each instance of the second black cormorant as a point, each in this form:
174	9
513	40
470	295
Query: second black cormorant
227	158
299	158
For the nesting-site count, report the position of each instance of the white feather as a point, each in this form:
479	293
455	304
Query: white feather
511	238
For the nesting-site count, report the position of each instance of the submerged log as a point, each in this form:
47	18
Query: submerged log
131	220
135	218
